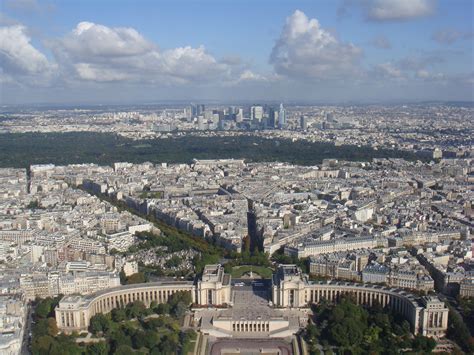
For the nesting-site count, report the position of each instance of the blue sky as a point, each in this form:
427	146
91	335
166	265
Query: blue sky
322	51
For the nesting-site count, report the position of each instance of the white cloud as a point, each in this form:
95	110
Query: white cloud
19	58
88	71
387	10
192	64
306	50
404	70
248	76
391	10
95	52
91	40
426	75
388	70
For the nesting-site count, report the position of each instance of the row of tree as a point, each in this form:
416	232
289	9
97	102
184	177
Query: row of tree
25	149
135	327
353	329
45	338
154	330
459	331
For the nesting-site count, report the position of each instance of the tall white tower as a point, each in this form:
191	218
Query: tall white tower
282	117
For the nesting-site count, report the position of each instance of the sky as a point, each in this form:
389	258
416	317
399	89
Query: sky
312	51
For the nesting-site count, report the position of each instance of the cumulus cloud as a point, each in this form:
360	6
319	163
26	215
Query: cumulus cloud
306	50
388	70
19	58
381	42
426	75
93	40
94	52
383	10
391	10
192	63
248	76
409	68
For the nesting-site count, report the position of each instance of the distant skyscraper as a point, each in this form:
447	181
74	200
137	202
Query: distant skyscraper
304	122
239	117
197	110
193	110
282	117
272	118
200	109
256	113
188	114
201	123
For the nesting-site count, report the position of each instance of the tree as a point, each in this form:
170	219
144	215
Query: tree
382	320
180	296
151	339
154	323
52	327
118	315
99	323
338	314
139	340
135	309
423	344
41	345
123	277
312	332
156	351
459	332
123	350
179	310
406	327
163	308
185	339
137	278
70	349
43	308
101	348
179	302
168	343
119	338
40	328
371	335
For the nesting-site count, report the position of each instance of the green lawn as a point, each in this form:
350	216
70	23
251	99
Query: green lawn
264	272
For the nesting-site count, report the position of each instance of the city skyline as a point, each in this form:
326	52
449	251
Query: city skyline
325	51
